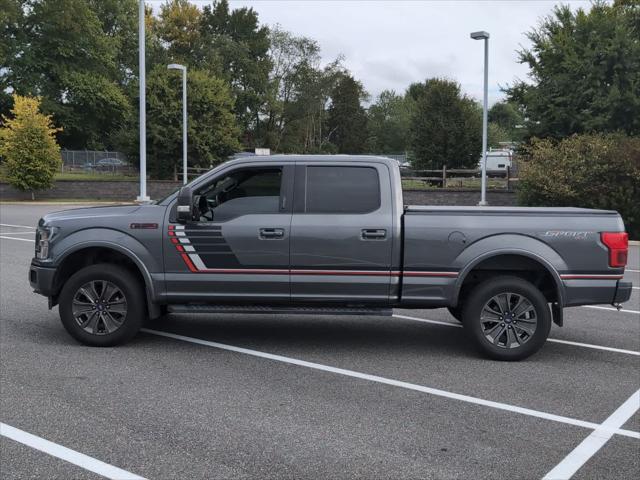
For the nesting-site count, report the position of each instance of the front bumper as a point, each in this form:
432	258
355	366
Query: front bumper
42	279
623	292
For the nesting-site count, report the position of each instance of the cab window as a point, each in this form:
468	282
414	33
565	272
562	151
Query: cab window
241	192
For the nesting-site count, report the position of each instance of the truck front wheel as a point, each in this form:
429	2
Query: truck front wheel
102	305
508	318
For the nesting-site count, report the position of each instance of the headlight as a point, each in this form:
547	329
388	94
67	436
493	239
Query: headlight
43	238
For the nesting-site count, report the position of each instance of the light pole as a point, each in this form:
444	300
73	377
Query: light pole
484	36
143	104
176	66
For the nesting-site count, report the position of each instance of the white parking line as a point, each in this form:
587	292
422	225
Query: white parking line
17	233
66	454
16	226
552	340
594	442
395	383
623	310
629	270
19	239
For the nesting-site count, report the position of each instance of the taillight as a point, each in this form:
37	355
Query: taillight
618	245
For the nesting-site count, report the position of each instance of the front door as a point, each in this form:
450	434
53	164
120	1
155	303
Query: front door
341	233
237	247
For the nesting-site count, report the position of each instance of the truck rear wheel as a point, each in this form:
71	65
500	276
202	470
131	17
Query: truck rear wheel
102	305
507	317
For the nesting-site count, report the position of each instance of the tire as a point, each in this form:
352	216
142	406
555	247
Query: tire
97	321
510	333
456	312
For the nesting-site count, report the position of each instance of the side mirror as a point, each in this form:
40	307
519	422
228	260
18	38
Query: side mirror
185	205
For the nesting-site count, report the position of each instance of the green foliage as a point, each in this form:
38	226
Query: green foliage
595	171
28	146
445	127
347	121
389	123
297	96
238	46
66	56
585	69
507	122
212	129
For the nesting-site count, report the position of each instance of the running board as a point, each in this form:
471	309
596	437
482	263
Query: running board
281	310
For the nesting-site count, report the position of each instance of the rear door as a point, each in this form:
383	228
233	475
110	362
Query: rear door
341	233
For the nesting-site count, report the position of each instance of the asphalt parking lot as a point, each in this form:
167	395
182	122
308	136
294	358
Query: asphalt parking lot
234	396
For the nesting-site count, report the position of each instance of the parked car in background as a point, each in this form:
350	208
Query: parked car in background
497	161
110	164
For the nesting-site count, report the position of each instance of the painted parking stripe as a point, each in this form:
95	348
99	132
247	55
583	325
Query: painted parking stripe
622	310
552	340
18	233
66	454
595	441
395	383
19	239
16	226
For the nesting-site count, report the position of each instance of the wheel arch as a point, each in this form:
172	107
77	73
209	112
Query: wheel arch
508	260
95	252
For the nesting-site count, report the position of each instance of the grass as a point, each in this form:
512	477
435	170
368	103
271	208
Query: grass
97	177
84	176
452	183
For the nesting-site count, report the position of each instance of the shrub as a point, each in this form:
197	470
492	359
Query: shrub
28	146
594	171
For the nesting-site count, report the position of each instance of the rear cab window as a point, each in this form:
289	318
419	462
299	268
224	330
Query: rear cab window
340	190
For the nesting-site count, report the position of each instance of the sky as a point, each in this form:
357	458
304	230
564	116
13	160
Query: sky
390	44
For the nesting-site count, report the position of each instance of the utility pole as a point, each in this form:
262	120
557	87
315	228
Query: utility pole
485	106
142	198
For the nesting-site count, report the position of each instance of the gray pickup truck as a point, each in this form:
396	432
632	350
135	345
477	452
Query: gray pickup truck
325	235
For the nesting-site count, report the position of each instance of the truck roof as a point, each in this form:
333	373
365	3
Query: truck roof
295	157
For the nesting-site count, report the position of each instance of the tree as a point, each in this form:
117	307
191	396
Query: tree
594	171
298	95
389	123
507	122
66	57
237	47
11	20
585	71
347	121
28	146
212	129
178	26
445	127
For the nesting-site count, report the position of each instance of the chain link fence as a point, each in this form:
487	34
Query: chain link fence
96	162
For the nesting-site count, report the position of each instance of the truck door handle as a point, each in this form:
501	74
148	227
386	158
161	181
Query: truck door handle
271	233
374	234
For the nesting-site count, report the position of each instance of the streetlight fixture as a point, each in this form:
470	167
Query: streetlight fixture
482	35
176	66
143	104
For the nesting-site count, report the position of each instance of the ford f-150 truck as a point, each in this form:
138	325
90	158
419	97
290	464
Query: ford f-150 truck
325	235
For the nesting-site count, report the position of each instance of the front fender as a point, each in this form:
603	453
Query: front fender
510	244
114	240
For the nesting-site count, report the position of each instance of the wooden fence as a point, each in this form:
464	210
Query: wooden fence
458	177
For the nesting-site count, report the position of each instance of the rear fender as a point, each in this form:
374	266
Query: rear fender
510	244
